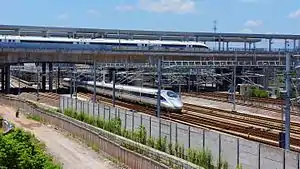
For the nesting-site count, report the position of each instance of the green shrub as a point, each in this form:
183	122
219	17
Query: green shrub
256	92
161	144
170	149
151	142
100	122
19	149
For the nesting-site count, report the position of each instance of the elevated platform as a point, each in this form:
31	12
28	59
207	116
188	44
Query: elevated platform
12	55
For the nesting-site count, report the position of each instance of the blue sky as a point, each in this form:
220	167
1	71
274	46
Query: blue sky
259	16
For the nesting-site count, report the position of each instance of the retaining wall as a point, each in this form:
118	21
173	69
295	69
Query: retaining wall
250	154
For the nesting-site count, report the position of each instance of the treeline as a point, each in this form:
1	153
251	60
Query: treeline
21	150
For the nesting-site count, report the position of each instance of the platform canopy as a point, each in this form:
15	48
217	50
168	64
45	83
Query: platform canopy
138	34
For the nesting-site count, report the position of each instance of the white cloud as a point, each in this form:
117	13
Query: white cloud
295	14
173	6
125	7
253	23
63	16
162	6
93	12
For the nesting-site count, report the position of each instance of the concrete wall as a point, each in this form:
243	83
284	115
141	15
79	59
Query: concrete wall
250	154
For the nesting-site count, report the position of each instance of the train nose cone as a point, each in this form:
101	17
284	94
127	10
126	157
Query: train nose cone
178	104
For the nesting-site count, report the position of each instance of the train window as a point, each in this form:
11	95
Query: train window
162	98
172	94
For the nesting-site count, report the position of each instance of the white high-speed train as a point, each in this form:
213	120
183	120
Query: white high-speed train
125	43
148	96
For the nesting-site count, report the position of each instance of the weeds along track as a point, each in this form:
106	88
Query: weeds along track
274	105
257	128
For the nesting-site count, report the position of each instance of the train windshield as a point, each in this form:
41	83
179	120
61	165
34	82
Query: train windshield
172	94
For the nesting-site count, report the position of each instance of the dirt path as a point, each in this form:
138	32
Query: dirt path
70	152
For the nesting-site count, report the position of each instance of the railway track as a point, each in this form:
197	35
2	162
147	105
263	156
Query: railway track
274	105
257	128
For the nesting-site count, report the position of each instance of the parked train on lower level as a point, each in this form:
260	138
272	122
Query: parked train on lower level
148	96
114	43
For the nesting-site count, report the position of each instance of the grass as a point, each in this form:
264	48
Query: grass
34	117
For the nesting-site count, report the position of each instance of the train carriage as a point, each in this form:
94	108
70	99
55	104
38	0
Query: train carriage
169	100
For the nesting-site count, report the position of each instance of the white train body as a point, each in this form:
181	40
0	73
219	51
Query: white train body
115	43
148	96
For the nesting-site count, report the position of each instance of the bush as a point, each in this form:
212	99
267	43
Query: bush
256	92
19	149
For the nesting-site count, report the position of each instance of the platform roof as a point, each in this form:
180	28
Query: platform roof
138	34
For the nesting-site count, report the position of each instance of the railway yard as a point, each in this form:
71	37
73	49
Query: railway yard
190	95
258	119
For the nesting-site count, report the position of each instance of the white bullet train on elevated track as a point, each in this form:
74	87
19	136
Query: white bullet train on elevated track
115	43
147	96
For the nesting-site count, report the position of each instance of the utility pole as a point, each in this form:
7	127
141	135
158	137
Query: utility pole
74	83
38	82
94	68
287	107
114	88
159	87
19	77
94	95
234	82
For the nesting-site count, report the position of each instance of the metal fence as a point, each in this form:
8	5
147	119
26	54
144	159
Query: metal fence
250	154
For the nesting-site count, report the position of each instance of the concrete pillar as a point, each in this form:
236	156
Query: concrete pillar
294	44
227	46
266	78
219	44
7	78
58	77
270	45
43	77
245	45
285	44
2	79
249	45
50	76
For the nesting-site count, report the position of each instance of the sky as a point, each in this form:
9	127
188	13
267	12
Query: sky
247	16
